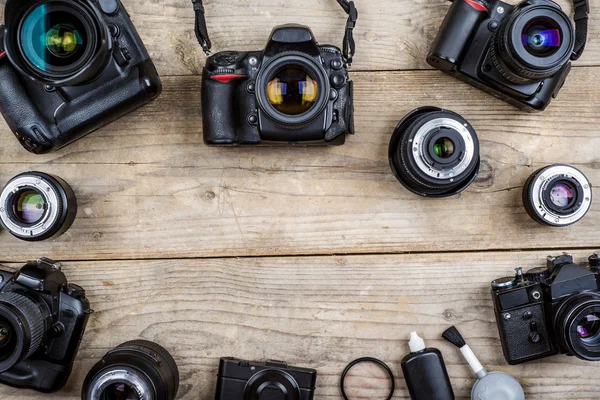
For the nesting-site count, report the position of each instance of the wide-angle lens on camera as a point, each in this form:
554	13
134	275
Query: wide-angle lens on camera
578	326
36	206
534	43
557	195
434	152
136	370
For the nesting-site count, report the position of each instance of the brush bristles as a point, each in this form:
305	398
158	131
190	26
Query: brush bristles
453	336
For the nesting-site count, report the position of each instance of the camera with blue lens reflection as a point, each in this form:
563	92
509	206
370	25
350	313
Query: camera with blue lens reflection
519	53
69	67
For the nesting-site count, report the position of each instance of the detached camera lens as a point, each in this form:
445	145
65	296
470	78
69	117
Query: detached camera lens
558	195
434	152
57	38
35	206
136	370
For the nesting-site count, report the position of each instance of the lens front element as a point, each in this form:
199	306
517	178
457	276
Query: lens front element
120	391
56	38
8	339
542	37
444	147
292	91
29	206
588	328
562	194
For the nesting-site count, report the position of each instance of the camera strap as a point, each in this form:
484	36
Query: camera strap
349	43
582	12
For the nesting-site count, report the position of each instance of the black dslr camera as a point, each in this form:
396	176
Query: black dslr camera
293	92
548	311
519	53
69	67
274	380
42	320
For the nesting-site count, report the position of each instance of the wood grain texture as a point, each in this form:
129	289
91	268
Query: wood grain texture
319	312
390	34
149	188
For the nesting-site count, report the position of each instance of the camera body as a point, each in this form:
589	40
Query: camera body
64	310
239	379
47	110
486	46
549	311
244	103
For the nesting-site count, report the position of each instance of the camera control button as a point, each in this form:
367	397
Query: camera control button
338	81
114	30
252	119
493	25
109	7
337	64
333	95
74	291
527	315
251	87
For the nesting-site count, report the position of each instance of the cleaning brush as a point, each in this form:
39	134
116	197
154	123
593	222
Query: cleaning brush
453	336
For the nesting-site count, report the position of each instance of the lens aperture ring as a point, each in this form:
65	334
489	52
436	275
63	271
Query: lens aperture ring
30	319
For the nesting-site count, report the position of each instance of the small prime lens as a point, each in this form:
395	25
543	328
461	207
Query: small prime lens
578	325
292	90
57	38
136	370
533	43
558	195
21	329
434	152
35	206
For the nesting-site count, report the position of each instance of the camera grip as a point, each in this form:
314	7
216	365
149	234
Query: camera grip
219	111
34	130
455	33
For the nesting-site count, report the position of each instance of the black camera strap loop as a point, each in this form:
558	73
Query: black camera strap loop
582	12
349	43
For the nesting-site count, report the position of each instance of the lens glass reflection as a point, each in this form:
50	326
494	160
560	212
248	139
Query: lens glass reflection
8	339
562	194
443	147
541	37
588	329
292	90
29	206
120	391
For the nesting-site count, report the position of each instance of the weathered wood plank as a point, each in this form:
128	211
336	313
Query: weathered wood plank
148	187
319	312
390	35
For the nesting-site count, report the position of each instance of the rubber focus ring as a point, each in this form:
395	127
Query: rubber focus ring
368	360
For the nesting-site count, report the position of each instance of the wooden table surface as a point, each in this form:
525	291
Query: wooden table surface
314	256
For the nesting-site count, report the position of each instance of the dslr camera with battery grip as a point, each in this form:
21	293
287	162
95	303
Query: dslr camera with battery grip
69	67
42	320
550	310
520	54
239	379
295	91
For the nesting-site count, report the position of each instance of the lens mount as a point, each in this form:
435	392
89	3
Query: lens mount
534	43
140	368
24	322
434	152
313	69
56	42
573	319
557	195
272	379
35	206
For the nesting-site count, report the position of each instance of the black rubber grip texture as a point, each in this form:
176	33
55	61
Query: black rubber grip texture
30	316
162	353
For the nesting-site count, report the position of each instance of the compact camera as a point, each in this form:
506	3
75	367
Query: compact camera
518	53
69	67
275	380
294	91
42	320
551	310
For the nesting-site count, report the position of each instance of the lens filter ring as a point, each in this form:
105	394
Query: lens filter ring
558	195
371	360
36	206
434	152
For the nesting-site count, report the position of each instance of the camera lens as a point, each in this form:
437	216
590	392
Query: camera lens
292	90
534	43
578	324
36	206
558	195
542	37
434	152
136	370
21	329
272	384
588	328
57	38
